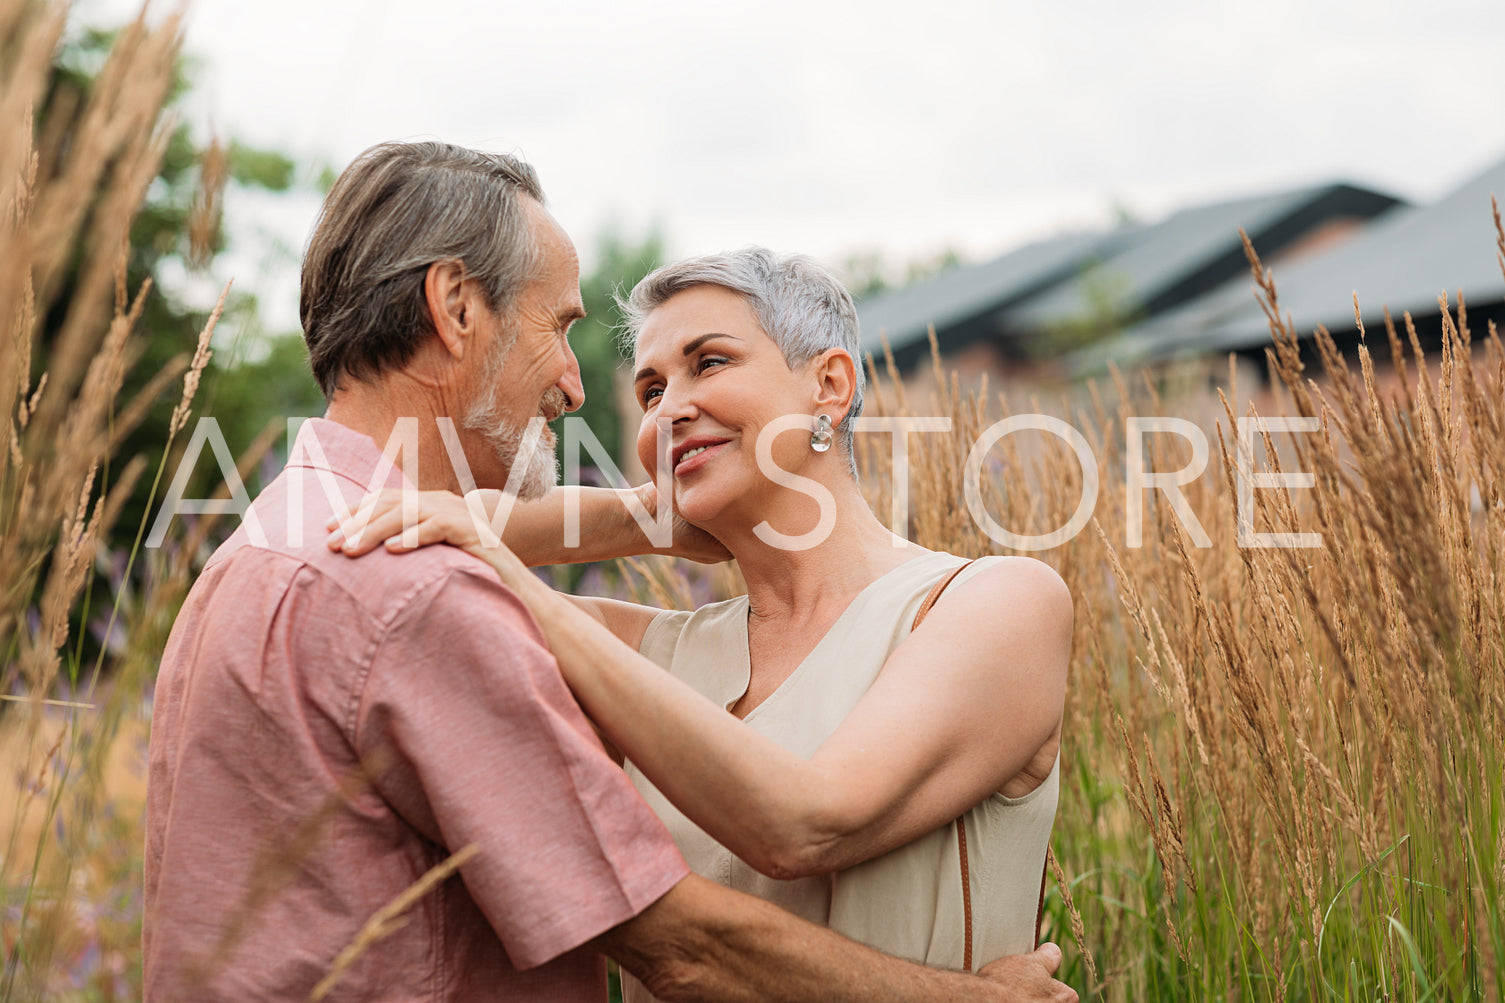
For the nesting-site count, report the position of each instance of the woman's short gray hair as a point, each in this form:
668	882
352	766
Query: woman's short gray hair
797	301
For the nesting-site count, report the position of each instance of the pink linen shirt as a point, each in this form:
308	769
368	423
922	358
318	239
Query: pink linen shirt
326	729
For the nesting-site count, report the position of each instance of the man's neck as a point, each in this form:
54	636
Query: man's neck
398	415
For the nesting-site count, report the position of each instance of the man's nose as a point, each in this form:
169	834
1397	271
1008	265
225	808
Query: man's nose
570	383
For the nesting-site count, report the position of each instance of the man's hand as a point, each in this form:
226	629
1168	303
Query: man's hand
1030	976
705	942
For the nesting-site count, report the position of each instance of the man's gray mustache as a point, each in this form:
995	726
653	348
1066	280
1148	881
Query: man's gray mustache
553	404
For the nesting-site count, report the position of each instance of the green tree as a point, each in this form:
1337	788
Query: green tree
180	227
620	264
1111	306
868	273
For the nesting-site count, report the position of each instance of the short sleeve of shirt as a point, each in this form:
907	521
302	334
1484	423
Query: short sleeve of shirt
473	737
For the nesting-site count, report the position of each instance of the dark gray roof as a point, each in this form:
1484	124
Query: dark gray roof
1405	260
1196	250
970	291
1032	289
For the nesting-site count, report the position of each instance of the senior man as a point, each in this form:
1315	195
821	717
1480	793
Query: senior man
326	731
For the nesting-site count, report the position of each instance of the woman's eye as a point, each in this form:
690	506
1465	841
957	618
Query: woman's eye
652	394
707	361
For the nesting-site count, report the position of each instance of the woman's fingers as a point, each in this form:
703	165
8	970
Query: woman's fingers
430	517
365	529
420	534
370	502
354	522
376	518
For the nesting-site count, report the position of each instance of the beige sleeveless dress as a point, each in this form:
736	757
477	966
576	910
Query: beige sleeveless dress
908	902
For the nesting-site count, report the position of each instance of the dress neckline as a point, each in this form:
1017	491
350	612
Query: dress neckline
743	656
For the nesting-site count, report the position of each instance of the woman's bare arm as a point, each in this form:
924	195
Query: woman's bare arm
533	530
961	707
572	524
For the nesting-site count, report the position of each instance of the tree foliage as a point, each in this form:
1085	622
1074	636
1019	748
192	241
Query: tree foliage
180	230
868	273
620	264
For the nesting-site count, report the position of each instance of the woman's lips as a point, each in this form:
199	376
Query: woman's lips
694	459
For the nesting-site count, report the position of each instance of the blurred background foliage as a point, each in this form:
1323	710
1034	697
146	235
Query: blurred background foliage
870	272
178	233
621	261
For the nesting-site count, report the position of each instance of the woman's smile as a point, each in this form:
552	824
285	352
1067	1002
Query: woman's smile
695	453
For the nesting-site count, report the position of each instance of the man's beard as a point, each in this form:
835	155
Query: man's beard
507	437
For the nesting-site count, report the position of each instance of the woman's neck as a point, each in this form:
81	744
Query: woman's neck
788	584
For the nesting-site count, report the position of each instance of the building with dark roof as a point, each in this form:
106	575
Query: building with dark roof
1404	261
1015	307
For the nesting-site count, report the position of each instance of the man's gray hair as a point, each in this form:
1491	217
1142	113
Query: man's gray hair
397	209
797	301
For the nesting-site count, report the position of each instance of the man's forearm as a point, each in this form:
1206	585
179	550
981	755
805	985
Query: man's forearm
705	942
788	961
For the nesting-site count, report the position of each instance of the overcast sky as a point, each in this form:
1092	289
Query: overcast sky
832	128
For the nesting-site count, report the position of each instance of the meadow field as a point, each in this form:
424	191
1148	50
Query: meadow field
1282	768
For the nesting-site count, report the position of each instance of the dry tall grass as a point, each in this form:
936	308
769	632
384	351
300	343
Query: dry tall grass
70	186
1284	765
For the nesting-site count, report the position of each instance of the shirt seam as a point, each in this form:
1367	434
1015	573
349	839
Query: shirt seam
626	890
439	936
400	605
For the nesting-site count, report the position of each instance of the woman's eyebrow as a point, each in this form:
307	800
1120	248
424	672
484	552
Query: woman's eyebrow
690	346
695	343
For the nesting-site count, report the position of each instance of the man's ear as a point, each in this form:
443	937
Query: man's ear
836	382
452	304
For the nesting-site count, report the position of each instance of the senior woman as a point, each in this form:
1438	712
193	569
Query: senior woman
813	742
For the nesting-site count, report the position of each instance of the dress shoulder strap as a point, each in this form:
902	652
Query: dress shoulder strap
935	592
961	829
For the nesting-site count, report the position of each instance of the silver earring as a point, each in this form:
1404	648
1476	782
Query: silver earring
820	439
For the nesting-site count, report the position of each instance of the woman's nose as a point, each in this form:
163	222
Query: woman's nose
676	403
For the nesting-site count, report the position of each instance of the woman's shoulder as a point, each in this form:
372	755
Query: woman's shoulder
1007	618
730	610
1004	582
667	628
1024	579
990	570
1009	570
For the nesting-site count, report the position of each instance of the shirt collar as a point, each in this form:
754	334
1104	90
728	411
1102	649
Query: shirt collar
328	445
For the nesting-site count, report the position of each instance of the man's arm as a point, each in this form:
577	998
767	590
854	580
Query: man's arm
704	942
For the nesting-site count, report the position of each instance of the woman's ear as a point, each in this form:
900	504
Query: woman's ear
836	382
452	305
